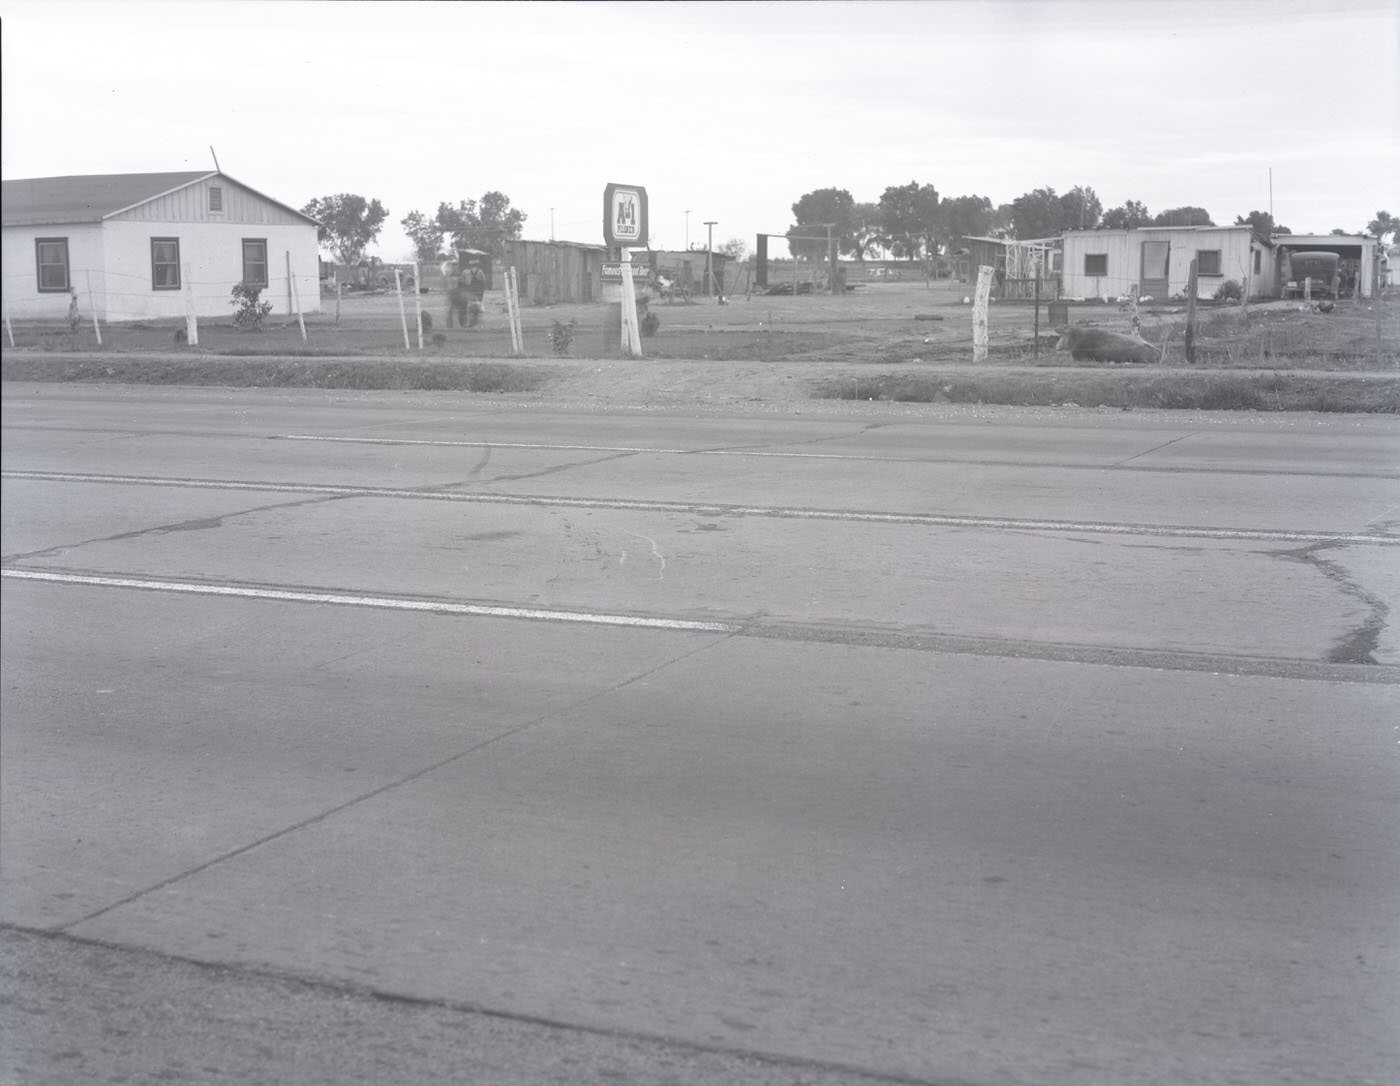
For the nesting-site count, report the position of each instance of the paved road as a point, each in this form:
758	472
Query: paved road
347	732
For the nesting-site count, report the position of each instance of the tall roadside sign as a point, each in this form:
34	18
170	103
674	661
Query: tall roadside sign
625	229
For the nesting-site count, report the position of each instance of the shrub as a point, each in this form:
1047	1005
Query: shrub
248	311
1229	291
560	336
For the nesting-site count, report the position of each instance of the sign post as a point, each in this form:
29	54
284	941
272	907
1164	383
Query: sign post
624	229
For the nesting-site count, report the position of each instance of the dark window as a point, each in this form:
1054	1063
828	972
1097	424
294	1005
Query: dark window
1208	262
255	261
51	258
1095	263
1256	261
216	198
165	263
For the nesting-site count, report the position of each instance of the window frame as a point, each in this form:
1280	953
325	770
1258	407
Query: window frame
1089	271
1219	263
156	284
264	281
216	199
40	265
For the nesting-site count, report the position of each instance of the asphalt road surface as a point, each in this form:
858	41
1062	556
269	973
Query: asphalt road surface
422	738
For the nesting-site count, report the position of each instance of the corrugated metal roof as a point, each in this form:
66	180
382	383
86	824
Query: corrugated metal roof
39	201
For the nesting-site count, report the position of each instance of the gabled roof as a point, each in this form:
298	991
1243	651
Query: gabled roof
44	201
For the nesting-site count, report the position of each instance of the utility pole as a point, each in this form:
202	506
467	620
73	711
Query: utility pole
709	256
551	224
687	230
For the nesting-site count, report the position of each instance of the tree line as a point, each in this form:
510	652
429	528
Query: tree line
913	221
350	223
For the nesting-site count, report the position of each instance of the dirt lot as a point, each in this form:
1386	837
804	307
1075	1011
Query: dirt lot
896	340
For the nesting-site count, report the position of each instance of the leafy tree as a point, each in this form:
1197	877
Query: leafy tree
1037	214
426	235
814	211
1183	216
1384	223
865	229
1262	223
486	225
967	216
1130	214
735	249
1081	209
1338	232
910	219
348	224
1003	221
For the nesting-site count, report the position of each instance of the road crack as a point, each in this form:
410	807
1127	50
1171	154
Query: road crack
1358	646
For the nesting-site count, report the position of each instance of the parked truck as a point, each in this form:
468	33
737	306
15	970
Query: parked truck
1318	275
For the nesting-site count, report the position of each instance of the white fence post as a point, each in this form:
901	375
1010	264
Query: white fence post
517	337
96	328
191	322
979	313
403	316
418	301
296	297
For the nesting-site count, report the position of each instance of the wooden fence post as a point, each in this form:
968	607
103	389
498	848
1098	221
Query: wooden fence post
191	322
979	313
1191	314
9	329
96	328
1036	333
418	301
296	297
517	335
403	316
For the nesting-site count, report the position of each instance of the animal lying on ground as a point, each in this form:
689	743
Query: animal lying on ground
1099	345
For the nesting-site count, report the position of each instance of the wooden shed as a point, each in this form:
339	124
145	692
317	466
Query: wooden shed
551	272
685	266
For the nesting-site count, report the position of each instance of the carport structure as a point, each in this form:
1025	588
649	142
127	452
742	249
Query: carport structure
1361	257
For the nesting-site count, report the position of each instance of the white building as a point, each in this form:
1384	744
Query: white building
145	246
1157	260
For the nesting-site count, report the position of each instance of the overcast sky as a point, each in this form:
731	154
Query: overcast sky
727	111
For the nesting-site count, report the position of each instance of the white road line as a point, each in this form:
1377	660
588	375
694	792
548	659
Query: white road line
476	444
389	603
592	448
933	520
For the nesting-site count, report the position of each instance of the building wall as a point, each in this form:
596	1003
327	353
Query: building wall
23	301
1123	252
214	253
549	272
191	204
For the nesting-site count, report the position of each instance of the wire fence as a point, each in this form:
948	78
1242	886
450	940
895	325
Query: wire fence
423	320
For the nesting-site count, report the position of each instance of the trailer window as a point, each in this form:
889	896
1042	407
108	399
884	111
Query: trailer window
165	263
1208	262
255	261
1095	263
51	256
